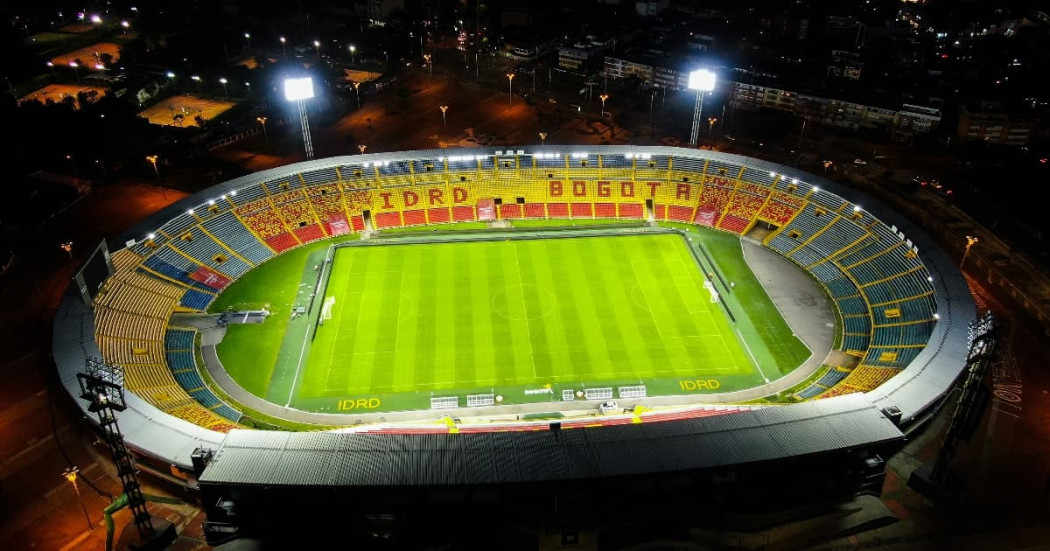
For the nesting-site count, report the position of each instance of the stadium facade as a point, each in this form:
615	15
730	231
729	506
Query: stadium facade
904	306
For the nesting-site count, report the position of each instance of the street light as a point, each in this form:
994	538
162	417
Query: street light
68	247
51	66
970	242
262	121
711	124
70	473
248	39
299	90
357	90
284	51
826	165
353	58
72	162
153	160
74	65
543	138
224	93
125	24
603	97
361	148
702	81
198	79
317	46
510	83
430	68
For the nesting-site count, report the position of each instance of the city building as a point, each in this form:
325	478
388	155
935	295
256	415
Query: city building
651	68
916	119
381	9
849	115
584	51
996	127
528	48
649	8
845	64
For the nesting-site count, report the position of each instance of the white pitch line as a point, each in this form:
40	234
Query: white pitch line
746	347
302	351
532	356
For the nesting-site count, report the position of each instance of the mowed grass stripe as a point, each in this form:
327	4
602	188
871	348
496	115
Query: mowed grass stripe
623	338
359	357
521	349
460	317
571	325
726	350
467	315
583	263
535	301
424	369
500	336
444	346
406	323
479	315
556	362
348	302
646	335
320	352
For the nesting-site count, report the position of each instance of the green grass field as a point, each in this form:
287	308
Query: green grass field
413	321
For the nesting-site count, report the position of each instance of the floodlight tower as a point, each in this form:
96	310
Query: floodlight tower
702	81
299	90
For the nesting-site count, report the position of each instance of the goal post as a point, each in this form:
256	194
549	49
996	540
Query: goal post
326	308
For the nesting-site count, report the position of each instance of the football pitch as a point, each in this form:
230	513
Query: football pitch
522	318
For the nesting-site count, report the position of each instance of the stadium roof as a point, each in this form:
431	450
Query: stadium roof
348	459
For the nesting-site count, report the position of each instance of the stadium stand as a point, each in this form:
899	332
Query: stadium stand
880	286
182	363
131	316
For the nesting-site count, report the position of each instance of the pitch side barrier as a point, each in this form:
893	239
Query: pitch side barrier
501	235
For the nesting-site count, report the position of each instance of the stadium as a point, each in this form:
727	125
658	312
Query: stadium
484	331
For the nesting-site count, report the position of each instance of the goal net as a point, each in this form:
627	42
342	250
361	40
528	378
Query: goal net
326	308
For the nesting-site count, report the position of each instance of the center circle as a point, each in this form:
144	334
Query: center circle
524	302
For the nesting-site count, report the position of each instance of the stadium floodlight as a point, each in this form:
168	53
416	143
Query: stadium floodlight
299	90
702	81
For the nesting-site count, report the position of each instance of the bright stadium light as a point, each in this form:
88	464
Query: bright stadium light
299	90
702	81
